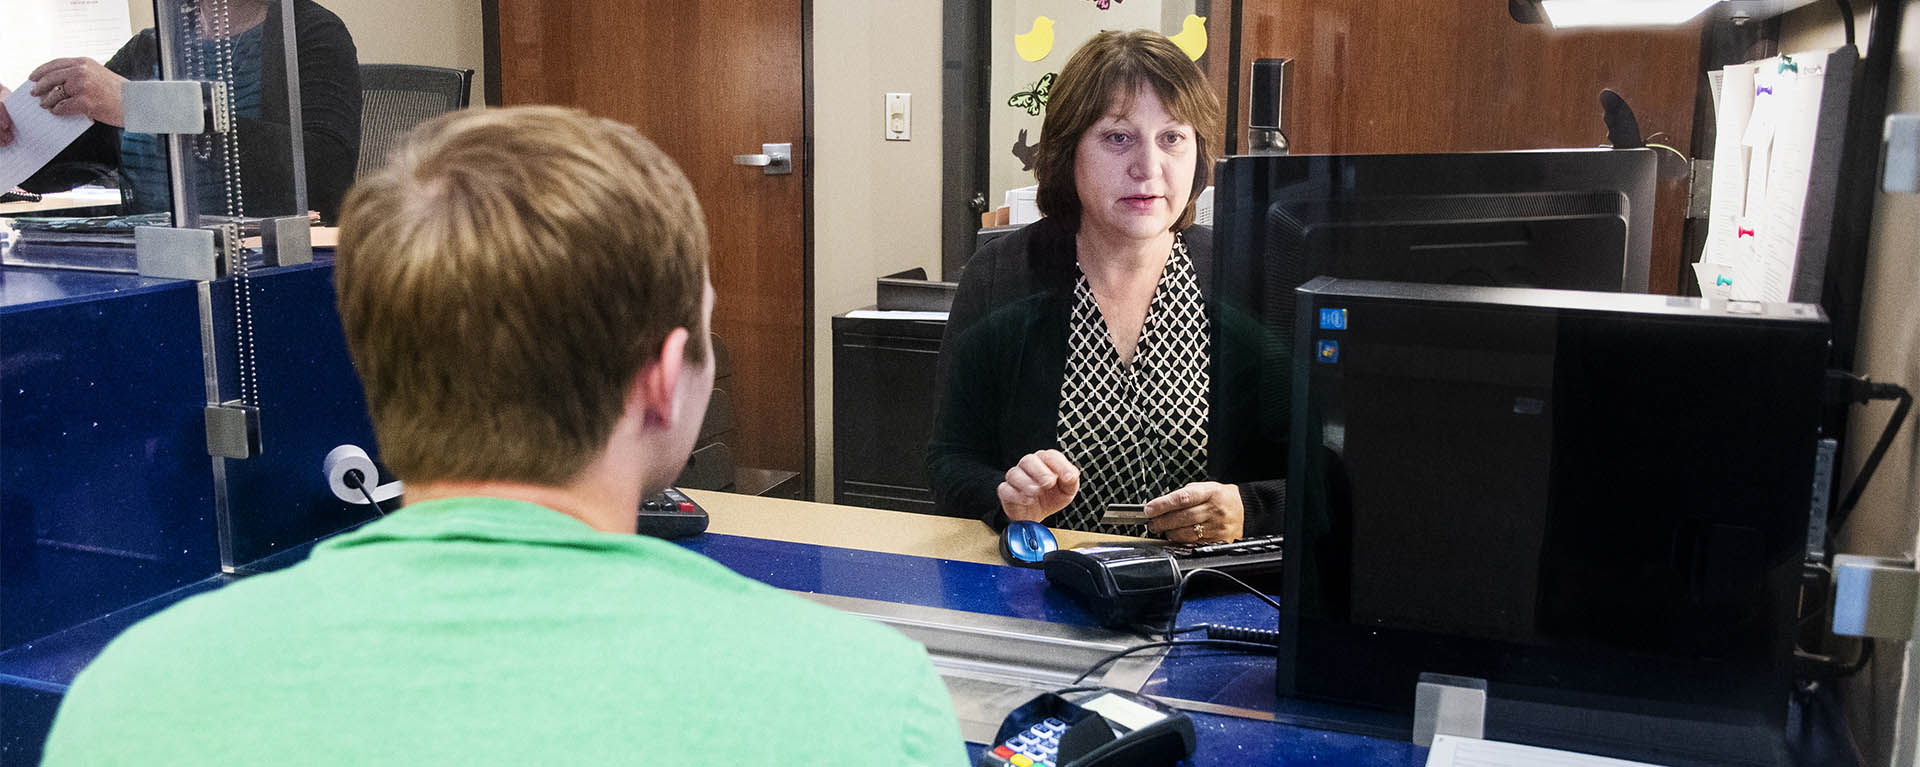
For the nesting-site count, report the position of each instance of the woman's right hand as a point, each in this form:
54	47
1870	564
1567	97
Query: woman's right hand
1040	485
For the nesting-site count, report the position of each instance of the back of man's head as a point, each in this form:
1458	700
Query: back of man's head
501	282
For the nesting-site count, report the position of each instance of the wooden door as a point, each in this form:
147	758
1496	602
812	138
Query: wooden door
1450	76
705	80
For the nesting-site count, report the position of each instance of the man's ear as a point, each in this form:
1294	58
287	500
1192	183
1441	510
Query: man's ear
658	385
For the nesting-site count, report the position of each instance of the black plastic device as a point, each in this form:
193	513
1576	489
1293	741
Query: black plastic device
670	515
1092	727
1120	585
1249	559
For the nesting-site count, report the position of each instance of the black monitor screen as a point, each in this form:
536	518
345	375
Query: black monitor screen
1576	496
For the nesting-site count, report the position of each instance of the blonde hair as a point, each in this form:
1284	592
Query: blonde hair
1110	68
503	280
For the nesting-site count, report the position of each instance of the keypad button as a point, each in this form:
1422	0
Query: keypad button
1021	760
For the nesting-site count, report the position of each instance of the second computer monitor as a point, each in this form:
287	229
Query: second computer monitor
1568	219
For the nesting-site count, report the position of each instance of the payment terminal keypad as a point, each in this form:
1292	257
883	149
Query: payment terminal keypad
1038	746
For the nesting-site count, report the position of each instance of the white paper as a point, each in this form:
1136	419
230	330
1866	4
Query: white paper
1731	112
1449	751
896	315
1776	223
39	31
1766	87
1766	118
38	135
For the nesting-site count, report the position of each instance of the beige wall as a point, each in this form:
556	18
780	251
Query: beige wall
876	203
1888	516
443	33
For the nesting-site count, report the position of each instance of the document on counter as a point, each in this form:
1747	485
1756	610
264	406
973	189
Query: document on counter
1450	751
38	135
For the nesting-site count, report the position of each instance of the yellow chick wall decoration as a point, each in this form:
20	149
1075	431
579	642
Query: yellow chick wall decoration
1038	42
1192	37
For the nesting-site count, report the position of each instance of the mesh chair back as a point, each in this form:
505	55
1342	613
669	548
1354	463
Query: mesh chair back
396	97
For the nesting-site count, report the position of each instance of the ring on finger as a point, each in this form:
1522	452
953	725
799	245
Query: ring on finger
1196	530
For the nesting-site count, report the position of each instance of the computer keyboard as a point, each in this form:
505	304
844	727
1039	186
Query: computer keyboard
1245	558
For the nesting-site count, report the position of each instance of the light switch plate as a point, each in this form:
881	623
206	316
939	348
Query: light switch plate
897	117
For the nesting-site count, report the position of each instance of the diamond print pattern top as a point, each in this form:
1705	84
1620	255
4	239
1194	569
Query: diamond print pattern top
1136	431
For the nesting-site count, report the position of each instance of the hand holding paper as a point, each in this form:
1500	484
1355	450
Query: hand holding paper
36	136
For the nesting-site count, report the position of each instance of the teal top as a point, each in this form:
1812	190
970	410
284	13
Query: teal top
486	631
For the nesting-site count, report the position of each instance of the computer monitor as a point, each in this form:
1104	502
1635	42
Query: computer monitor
1596	502
1570	219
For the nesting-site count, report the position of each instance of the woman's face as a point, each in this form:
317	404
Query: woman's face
1134	171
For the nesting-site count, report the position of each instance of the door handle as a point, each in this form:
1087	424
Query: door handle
777	159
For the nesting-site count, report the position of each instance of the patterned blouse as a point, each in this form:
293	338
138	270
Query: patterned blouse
1136	431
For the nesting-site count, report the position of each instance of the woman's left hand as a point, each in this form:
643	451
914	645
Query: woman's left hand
1201	512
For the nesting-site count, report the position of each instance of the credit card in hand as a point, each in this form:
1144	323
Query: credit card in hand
1125	514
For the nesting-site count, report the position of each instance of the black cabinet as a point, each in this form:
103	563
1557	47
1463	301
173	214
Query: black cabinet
883	407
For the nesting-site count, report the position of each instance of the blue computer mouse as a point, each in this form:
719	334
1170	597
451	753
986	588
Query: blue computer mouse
1024	544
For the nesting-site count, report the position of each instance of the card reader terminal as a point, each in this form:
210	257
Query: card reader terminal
1091	727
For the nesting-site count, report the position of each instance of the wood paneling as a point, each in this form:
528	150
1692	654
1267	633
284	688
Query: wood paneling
705	80
1451	76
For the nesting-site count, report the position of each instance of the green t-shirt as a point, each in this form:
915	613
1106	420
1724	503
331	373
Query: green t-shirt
485	631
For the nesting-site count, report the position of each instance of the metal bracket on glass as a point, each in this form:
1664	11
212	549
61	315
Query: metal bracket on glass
183	107
1876	597
287	240
233	430
1448	705
185	254
1700	189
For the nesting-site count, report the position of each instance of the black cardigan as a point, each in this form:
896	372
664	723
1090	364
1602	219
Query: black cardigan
1003	356
329	108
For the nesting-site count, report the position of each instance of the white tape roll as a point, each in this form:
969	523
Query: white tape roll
349	458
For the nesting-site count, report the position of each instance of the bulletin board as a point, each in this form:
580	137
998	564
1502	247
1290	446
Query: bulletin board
1032	40
1779	125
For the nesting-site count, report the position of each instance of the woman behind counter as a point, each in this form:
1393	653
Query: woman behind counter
251	30
1078	358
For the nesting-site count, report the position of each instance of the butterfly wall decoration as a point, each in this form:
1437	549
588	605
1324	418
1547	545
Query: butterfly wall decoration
1034	97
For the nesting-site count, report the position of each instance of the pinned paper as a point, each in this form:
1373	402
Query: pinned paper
1760	123
1192	37
1716	280
1037	41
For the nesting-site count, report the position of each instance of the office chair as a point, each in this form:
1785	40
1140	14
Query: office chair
396	97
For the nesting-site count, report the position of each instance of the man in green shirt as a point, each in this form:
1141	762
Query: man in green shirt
525	296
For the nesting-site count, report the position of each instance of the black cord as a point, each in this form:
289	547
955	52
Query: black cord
1180	595
354	479
1846	17
1228	643
1847	387
1826	667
